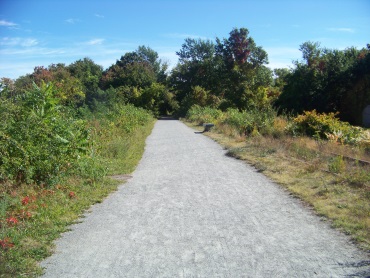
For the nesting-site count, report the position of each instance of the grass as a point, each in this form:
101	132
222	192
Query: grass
33	216
337	188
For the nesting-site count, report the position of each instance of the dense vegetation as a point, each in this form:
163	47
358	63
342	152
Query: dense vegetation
64	128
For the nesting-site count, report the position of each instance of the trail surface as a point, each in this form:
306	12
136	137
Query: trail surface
191	211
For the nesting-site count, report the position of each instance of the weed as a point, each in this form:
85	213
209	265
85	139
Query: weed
337	164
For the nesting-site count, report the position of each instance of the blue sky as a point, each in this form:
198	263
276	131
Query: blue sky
42	32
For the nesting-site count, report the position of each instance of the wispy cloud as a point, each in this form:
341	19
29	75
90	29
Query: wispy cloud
13	52
72	20
32	52
99	15
25	42
346	30
95	42
7	23
282	57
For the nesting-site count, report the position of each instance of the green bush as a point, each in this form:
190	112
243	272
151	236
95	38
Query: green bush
326	126
251	121
40	140
236	119
203	115
246	122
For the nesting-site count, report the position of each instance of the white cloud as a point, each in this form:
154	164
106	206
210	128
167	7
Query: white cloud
95	41
25	42
29	42
99	15
170	57
7	23
346	30
72	20
282	57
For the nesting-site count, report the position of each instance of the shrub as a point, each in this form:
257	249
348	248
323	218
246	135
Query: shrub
40	140
236	119
203	115
325	126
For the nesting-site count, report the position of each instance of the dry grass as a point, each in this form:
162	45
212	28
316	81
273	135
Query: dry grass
337	188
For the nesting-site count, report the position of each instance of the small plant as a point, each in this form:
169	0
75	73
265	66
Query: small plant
337	164
358	178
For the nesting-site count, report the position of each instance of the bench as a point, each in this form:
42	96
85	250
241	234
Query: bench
208	126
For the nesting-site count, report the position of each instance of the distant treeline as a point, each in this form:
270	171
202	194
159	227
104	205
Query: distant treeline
225	73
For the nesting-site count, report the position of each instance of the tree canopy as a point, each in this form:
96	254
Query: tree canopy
225	73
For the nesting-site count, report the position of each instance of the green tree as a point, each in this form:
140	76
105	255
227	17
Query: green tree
230	70
69	88
328	81
242	62
140	68
196	67
89	74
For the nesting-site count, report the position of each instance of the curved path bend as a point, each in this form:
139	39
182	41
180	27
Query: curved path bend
191	211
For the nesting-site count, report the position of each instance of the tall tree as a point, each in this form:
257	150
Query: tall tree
88	72
196	67
140	68
231	70
329	81
242	60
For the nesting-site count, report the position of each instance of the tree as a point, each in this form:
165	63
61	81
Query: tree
158	99
242	62
230	70
89	74
328	81
140	68
69	88
196	67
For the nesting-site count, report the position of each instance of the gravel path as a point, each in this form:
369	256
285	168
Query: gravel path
191	211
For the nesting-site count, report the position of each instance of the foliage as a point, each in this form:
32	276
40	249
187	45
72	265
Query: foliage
33	215
337	164
328	81
68	89
326	126
158	99
203	115
198	96
231	72
140	68
245	122
39	141
89	74
196	67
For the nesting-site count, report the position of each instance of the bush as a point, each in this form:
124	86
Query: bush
203	115
326	126
253	121
236	119
40	140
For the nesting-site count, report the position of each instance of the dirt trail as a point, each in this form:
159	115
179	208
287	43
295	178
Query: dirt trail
191	211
